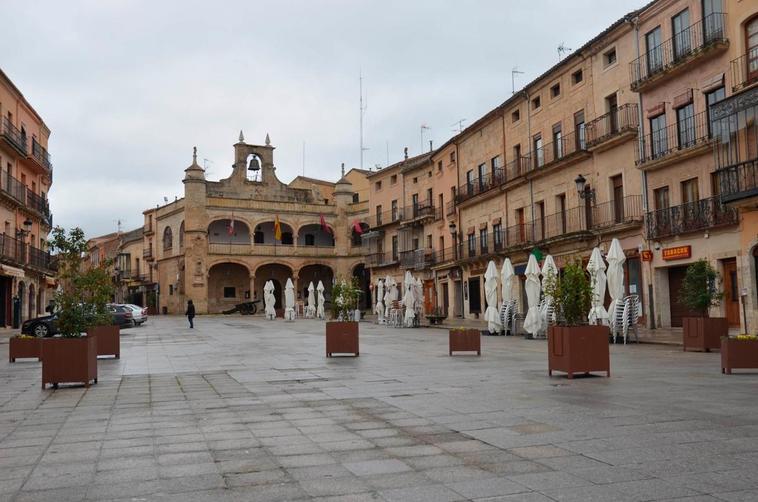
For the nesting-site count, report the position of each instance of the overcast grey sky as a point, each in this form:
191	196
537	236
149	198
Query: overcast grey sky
129	87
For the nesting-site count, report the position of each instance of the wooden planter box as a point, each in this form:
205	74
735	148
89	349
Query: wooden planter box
578	349
703	333
108	340
24	348
738	354
465	340
69	360
342	338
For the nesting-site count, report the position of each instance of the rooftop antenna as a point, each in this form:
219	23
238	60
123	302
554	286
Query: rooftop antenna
515	71
118	225
165	199
303	158
205	166
387	145
363	106
424	127
562	49
458	126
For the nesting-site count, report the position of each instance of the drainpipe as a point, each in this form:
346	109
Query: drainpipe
531	159
640	146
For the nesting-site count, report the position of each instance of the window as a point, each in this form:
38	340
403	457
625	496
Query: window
439	166
230	292
540	230
557	141
310	240
414	244
356	198
654	52
497	236
536	103
394	248
170	289
496	165
429	241
555	91
685	125
609	57
378	186
472	244
429	174
711	98
515	116
429	197
680	28
517	160
287	238
715	185
168	239
662	218
751	44
258	236
394	214
483	238
560	204
452	156
469	181
482	172
579	131
658	140
577	77
181	236
441	202
393	179
539	153
415	180
690	192
378	215
441	244
661	196
712	20
414	204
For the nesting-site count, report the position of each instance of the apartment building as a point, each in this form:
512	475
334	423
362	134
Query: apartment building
26	174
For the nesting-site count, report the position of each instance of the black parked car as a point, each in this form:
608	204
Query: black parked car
48	325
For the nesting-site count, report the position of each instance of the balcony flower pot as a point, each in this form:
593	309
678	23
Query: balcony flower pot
108	340
464	340
24	347
578	349
342	338
703	333
69	360
739	353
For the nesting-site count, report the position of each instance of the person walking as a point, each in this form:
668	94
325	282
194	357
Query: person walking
190	312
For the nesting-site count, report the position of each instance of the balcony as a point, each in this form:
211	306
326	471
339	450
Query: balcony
41	157
674	143
420	259
39	259
694	43
380	259
450	208
565	150
476	186
13	136
419	212
739	182
518	168
147	254
378	220
12	188
744	70
690	217
612	128
12	250
446	255
245	249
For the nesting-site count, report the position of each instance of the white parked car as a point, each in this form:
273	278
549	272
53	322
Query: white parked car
139	314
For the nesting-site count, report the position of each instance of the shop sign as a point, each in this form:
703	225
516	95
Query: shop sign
677	253
646	255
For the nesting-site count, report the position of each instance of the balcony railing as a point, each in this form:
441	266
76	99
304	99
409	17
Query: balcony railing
13	136
617	212
12	249
518	167
611	125
380	259
447	254
39	258
376	220
227	248
684	135
739	181
450	208
484	183
690	217
677	50
39	154
147	254
422	209
745	70
560	149
11	186
418	259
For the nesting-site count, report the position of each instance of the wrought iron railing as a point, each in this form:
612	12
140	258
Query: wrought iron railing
563	147
623	119
380	259
40	154
39	258
744	70
12	249
13	187
14	136
482	184
690	217
421	209
688	133
518	167
678	49
450	208
616	212
739	181
384	218
418	259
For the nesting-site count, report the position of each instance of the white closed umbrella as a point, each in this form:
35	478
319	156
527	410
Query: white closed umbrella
409	299
616	259
320	309
379	309
310	310
549	273
533	320
269	300
596	268
491	314
395	293
388	282
419	294
506	280
289	301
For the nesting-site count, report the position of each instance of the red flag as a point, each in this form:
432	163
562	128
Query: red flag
357	227
326	228
230	228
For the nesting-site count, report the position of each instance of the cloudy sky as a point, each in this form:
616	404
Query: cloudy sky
128	87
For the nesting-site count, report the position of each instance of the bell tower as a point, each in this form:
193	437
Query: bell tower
262	161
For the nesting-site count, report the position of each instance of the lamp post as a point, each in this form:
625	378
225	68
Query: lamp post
21	234
453	232
588	195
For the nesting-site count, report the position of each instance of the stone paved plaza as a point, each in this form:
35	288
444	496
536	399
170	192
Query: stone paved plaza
246	409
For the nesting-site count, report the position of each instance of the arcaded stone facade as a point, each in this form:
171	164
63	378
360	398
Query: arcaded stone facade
217	246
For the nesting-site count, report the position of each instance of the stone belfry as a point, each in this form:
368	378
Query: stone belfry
262	158
195	234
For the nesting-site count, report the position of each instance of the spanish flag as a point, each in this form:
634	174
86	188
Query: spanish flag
277	229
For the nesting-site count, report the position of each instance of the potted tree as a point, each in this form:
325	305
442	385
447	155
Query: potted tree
342	331
71	356
24	346
573	345
699	292
464	340
96	282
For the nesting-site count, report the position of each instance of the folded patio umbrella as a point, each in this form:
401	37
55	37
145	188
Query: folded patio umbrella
506	280
549	270
533	321
491	314
409	299
388	282
616	259
596	268
379	309
289	301
419	294
269	300
320	309
310	310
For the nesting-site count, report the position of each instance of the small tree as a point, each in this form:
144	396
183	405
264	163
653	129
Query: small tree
345	296
81	300
571	293
699	290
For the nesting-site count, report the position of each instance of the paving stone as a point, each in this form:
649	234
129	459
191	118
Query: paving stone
428	493
371	467
482	488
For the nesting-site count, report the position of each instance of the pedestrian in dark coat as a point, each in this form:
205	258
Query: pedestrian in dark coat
190	312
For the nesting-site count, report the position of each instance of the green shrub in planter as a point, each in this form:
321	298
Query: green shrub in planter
699	291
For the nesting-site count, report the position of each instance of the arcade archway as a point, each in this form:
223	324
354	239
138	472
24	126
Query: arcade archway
228	285
363	276
276	273
315	273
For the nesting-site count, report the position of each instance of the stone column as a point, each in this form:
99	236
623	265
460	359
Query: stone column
252	288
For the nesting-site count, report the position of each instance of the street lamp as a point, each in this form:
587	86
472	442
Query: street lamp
453	232
585	192
23	232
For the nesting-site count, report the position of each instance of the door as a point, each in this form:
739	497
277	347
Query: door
445	299
611	104
654	52
430	299
712	17
678	309
521	226
680	28
618	198
474	296
458	305
731	292
751	49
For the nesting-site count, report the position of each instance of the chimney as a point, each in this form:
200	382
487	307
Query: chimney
430	146
405	151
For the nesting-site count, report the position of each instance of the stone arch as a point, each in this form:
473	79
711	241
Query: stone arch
263	233
315	271
278	272
286	263
227	217
181	235
219	261
362	273
311	234
218	232
228	285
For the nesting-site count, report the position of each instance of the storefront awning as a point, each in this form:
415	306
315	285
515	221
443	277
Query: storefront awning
50	281
11	271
